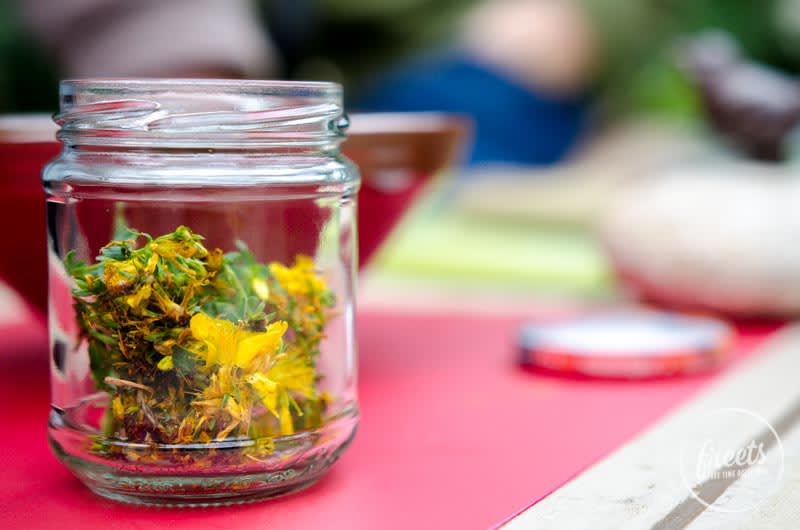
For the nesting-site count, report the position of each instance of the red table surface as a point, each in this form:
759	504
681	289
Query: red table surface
453	435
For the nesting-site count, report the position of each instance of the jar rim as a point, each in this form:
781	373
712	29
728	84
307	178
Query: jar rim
311	88
200	112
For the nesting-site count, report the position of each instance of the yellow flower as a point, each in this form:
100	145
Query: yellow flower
228	344
181	243
169	307
261	288
216	259
166	364
119	275
267	389
300	279
218	398
117	408
222	382
290	374
151	264
294	372
142	295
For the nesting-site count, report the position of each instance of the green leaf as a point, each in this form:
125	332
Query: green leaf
98	364
105	339
184	361
122	231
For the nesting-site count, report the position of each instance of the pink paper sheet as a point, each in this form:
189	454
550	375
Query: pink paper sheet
453	435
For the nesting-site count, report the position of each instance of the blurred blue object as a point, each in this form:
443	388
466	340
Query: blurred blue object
513	124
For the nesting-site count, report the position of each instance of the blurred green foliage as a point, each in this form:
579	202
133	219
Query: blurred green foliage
351	40
640	41
28	81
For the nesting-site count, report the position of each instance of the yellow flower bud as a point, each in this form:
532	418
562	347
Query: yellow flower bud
166	364
261	288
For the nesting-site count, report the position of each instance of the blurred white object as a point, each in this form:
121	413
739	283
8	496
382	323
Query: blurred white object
577	191
722	237
628	344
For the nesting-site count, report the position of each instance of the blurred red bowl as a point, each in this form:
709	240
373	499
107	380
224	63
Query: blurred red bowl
26	144
397	154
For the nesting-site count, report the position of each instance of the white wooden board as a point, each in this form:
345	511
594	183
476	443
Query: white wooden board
640	486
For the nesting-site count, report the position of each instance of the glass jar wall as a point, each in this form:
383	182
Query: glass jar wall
202	253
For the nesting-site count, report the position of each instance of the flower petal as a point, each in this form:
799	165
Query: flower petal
266	342
166	364
261	288
267	390
287	423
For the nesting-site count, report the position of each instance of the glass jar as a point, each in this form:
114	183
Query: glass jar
202	247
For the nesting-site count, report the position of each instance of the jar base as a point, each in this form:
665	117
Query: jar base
152	485
188	492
